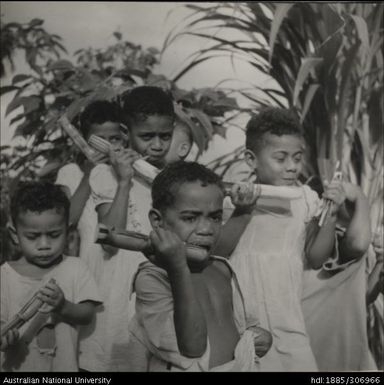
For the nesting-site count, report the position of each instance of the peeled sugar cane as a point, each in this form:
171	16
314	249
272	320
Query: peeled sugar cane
29	310
142	168
269	191
130	240
77	138
328	203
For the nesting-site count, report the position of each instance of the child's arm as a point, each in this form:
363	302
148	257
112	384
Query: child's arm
82	192
71	313
321	240
115	214
190	325
262	340
358	235
9	339
375	284
244	199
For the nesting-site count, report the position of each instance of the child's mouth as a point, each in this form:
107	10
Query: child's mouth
206	247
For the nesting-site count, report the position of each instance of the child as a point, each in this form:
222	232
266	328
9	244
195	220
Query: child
123	201
190	315
100	118
181	143
270	256
339	337
40	213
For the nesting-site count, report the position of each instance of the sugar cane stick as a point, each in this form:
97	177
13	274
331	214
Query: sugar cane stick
77	138
269	191
130	240
30	308
142	168
328	203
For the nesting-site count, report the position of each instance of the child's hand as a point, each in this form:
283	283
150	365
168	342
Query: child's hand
96	158
335	192
53	296
9	339
170	252
262	341
122	162
352	191
244	195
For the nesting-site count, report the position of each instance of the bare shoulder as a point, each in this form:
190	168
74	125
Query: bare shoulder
222	267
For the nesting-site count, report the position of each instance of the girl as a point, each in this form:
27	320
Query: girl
278	240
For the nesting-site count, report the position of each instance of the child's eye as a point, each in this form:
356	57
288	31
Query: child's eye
280	160
298	158
146	137
115	139
217	218
166	136
31	237
55	234
188	219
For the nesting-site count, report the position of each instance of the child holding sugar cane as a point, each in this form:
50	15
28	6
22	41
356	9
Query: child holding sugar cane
276	242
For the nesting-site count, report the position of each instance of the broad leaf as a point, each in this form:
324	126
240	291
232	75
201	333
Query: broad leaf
278	17
20	78
307	65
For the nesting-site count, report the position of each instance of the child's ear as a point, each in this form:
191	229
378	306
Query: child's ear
250	159
155	218
12	233
183	150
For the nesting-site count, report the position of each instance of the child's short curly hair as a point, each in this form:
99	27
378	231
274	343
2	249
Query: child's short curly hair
144	101
168	181
273	120
38	197
99	112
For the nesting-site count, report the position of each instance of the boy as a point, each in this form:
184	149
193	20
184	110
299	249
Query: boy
40	213
190	314
123	201
181	143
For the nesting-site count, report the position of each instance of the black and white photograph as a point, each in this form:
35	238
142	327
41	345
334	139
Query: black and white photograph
191	187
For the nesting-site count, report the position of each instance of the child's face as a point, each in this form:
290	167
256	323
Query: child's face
152	138
42	236
180	146
279	161
196	214
109	131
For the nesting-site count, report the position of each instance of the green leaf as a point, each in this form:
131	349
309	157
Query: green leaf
204	121
20	78
194	63
31	103
15	103
362	30
6	89
36	22
17	118
278	17
117	35
308	100
307	65
61	65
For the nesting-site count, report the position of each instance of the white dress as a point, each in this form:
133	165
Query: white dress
104	348
70	176
269	261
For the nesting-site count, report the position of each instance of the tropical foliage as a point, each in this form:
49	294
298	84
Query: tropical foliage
327	64
57	85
